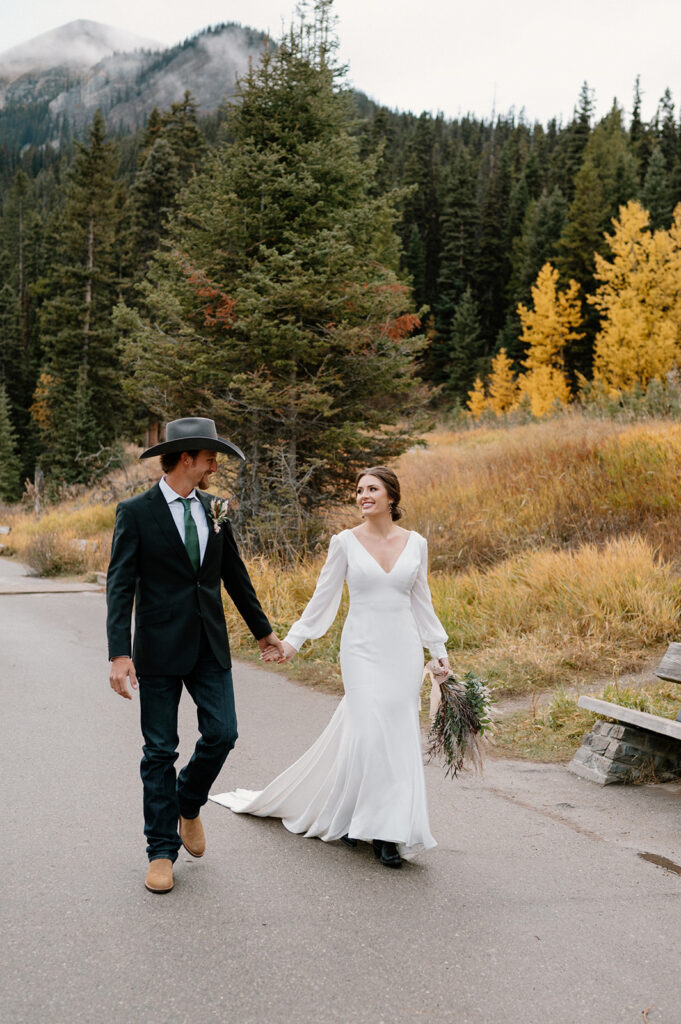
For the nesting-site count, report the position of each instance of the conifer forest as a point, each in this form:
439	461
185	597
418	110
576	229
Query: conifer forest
321	274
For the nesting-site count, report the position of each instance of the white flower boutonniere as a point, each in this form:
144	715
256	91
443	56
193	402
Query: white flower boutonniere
219	512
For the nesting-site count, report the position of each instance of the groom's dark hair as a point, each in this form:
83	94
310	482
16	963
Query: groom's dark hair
170	459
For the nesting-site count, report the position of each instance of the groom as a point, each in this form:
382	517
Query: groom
171	547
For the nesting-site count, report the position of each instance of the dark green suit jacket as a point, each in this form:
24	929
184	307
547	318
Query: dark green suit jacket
150	567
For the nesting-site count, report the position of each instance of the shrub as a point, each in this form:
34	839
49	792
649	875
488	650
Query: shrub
52	554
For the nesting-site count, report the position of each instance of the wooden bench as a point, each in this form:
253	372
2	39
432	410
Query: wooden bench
638	746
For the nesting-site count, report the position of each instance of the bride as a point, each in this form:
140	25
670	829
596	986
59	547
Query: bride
363	778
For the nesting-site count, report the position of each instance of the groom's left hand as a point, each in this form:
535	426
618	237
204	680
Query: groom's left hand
272	641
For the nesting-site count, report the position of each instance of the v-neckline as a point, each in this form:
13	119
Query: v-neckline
373	559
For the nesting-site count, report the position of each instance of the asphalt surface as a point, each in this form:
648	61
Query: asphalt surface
537	906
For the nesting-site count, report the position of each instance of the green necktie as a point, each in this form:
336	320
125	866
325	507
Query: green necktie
191	536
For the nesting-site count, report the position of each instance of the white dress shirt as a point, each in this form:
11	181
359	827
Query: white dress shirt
177	511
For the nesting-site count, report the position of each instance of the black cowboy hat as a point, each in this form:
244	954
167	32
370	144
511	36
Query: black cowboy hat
193	433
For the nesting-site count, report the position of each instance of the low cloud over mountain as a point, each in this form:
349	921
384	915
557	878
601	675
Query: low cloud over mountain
80	44
51	85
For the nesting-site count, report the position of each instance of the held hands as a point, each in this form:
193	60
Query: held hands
274	649
121	668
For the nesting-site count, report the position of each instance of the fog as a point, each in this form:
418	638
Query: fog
80	44
126	86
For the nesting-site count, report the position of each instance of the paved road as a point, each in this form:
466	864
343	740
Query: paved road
536	907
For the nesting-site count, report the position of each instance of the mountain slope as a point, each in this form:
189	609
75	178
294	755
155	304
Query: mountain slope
47	101
79	44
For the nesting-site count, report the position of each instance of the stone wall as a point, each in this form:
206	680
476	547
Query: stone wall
624	753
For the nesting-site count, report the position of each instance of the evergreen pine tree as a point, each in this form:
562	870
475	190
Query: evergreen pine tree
24	261
276	307
537	242
607	178
675	178
10	466
152	128
572	143
458	237
10	329
667	131
81	386
379	136
519	202
463	347
641	138
586	222
655	194
178	125
421	213
173	147
415	261
151	199
636	130
493	263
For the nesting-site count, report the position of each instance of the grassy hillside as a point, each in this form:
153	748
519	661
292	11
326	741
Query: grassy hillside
481	496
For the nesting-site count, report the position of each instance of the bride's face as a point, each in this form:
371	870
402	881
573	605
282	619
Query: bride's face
372	497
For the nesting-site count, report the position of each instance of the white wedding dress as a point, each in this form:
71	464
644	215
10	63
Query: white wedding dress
364	776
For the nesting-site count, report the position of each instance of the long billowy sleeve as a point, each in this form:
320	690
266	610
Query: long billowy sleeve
322	607
431	631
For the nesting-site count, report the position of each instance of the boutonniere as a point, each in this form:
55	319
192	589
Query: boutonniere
219	512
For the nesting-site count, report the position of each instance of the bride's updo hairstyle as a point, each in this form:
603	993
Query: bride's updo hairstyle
391	484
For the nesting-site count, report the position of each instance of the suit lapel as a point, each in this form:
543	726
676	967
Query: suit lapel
213	537
164	518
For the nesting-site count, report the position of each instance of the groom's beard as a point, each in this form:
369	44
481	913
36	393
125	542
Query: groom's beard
204	482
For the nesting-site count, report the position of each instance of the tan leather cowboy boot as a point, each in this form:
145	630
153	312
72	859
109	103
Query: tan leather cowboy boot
160	875
192	836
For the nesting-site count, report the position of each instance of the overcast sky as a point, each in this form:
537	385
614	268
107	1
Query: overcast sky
447	55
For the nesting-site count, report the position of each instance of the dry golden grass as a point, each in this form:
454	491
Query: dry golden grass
546	617
483	495
49	540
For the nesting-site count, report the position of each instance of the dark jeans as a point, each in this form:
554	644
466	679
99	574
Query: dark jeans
210	687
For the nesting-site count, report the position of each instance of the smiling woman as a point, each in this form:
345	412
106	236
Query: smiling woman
363	778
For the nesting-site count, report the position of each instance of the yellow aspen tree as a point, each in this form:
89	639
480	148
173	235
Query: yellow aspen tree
547	329
639	300
501	384
477	401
